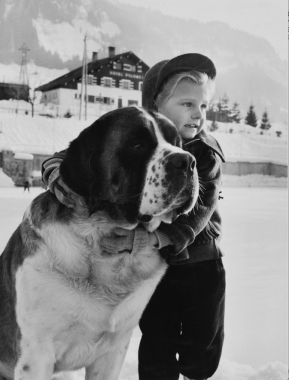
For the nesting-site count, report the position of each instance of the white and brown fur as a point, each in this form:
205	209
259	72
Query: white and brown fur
66	304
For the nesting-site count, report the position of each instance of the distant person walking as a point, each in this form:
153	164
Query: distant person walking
27	184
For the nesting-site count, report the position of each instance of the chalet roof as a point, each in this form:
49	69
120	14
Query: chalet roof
10	84
76	74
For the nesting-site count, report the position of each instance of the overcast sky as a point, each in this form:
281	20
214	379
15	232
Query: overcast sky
265	18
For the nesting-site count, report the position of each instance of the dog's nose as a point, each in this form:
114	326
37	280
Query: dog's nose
182	161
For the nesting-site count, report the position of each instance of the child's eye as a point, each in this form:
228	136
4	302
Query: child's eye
187	104
204	106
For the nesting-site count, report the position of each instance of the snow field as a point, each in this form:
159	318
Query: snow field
22	133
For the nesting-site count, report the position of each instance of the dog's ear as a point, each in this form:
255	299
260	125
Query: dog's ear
79	168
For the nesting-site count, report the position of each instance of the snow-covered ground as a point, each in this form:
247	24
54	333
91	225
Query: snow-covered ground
255	246
22	133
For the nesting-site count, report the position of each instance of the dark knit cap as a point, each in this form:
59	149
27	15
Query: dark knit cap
157	74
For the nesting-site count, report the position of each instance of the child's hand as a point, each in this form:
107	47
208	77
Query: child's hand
131	241
120	241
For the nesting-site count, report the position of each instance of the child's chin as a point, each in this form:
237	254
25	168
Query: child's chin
189	134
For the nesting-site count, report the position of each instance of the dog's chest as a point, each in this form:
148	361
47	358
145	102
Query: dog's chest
81	322
100	331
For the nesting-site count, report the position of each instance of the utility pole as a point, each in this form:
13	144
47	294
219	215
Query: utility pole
84	81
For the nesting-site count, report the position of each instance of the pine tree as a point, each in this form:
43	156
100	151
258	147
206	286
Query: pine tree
265	125
214	126
210	114
251	118
235	113
225	108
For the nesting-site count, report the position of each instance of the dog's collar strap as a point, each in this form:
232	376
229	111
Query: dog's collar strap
62	192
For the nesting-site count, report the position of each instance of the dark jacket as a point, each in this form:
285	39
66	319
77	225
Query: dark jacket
196	236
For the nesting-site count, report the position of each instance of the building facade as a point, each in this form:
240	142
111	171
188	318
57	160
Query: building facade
112	82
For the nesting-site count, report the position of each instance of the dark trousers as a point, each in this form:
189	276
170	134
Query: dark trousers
185	316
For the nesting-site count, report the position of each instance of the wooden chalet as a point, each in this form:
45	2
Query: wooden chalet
112	82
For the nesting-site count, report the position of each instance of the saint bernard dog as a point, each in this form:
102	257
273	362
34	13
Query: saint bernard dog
64	303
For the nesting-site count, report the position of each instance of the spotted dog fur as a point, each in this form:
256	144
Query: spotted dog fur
64	303
166	188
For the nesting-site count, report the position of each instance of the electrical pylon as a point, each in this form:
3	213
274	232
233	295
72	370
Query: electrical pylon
23	77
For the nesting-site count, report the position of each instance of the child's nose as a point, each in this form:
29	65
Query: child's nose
197	114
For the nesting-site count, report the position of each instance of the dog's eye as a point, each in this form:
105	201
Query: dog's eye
137	145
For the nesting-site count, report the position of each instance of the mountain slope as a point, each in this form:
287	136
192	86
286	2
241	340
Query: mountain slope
249	70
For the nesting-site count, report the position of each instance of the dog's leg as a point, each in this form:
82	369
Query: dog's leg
36	361
108	366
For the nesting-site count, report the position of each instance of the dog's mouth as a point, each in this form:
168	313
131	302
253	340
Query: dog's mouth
181	204
144	218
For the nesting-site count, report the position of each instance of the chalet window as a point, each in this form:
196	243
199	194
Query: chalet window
139	68
90	98
128	67
106	100
116	66
126	84
99	99
132	102
140	86
107	82
91	80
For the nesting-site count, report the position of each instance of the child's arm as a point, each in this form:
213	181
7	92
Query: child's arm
184	230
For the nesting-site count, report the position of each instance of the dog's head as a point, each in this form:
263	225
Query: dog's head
130	164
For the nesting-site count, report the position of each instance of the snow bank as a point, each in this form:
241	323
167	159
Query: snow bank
46	136
234	371
254	180
227	370
5	181
38	135
23	156
252	148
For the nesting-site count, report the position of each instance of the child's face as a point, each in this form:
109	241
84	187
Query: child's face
186	108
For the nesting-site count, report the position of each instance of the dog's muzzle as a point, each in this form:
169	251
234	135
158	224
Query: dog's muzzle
182	161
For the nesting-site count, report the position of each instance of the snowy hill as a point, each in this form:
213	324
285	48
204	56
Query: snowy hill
249	69
40	135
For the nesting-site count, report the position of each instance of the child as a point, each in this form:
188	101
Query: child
185	316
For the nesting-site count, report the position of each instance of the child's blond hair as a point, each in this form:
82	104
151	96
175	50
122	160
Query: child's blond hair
170	85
